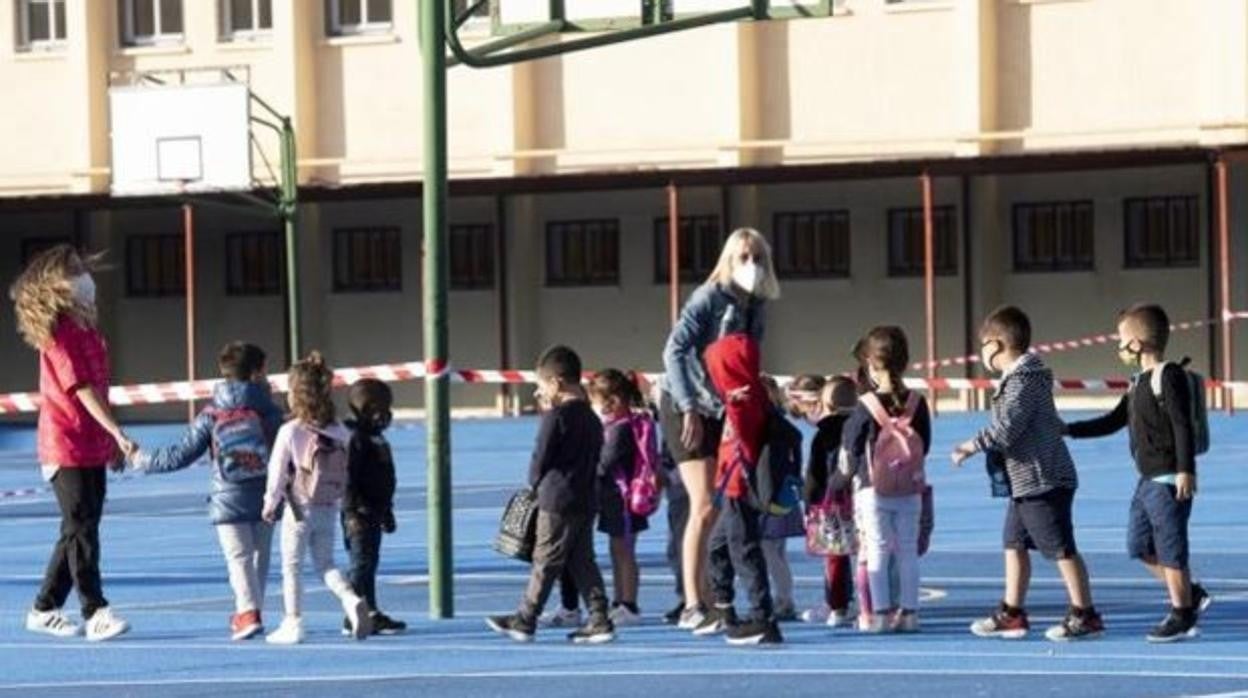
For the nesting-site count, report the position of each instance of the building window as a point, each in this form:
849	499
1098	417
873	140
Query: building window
155	265
905	241
482	11
358	16
583	253
701	239
1056	236
472	256
149	22
253	264
41	24
367	259
33	247
1162	232
246	19
812	245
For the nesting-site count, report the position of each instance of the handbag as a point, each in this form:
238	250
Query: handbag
830	528
517	530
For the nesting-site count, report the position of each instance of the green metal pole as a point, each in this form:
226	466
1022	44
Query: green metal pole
288	209
437	407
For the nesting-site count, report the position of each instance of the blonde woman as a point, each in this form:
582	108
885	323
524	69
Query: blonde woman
731	301
54	299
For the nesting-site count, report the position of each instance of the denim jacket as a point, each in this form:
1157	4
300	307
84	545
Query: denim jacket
710	313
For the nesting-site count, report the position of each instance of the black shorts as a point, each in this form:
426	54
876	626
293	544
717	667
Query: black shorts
1043	522
673	423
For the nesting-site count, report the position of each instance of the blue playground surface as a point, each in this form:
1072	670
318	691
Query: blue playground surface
163	571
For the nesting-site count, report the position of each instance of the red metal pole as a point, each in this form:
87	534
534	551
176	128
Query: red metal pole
929	283
673	250
1224	253
188	234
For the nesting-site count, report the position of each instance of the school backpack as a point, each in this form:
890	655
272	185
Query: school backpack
240	445
896	458
320	476
1198	408
641	493
776	480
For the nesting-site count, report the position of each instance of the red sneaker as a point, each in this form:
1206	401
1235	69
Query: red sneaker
1002	625
245	625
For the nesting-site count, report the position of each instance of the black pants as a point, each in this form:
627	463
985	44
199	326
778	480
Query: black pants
76	558
362	539
735	550
677	520
564	541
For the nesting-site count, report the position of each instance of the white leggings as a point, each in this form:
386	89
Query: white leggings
891	531
246	549
315	535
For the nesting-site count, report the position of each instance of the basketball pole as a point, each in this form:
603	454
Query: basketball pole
188	241
288	209
433	15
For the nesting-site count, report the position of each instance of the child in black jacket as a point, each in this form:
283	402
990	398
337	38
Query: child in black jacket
368	505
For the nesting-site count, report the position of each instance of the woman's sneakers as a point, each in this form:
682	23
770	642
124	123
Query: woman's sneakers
54	623
290	632
103	625
245	625
1079	624
1006	624
561	618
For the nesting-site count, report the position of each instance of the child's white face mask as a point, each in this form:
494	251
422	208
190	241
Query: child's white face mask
84	289
746	276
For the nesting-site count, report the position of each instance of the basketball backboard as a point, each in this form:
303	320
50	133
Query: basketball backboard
511	16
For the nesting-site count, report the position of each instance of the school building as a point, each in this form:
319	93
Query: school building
1074	147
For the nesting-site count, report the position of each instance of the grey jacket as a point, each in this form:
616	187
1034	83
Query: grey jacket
1026	432
710	313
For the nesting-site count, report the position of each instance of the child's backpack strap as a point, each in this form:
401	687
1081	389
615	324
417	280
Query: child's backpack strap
871	401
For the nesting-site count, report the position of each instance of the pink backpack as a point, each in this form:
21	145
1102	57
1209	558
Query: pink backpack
320	475
641	493
896	458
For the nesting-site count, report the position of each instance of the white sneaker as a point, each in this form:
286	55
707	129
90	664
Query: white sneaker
359	616
561	618
103	625
875	624
622	617
840	619
290	632
691	618
54	623
818	614
905	622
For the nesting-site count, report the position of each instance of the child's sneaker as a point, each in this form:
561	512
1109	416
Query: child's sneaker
623	616
691	618
672	617
359	616
840	619
385	625
1177	626
562	618
290	632
599	630
1201	600
716	621
785	613
514	626
754	632
1002	624
245	625
103	625
877	624
819	614
905	622
1077	626
54	623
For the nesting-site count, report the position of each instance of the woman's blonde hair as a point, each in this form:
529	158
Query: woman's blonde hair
44	291
311	391
768	287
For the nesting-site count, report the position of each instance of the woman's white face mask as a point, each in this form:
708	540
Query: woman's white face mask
745	275
84	289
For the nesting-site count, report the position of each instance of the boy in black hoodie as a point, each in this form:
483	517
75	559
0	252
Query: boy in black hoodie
368	505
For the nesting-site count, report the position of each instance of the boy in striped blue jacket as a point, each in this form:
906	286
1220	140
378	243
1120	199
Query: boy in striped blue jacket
1025	441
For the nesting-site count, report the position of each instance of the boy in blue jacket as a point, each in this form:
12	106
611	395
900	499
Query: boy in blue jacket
238	432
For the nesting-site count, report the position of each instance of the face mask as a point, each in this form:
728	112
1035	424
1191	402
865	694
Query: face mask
84	289
999	348
746	276
1129	357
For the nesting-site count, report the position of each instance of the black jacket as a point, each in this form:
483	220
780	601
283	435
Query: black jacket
825	448
1162	440
370	478
564	468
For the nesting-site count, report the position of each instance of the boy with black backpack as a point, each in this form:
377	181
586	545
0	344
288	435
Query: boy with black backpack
1164	414
238	432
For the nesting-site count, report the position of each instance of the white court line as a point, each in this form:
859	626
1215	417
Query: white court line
530	674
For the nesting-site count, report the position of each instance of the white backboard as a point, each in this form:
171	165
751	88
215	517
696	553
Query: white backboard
169	139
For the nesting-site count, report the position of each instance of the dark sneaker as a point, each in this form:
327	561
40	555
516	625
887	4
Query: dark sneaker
385	625
672	617
513	626
1201	600
1176	627
599	630
786	614
1077	626
1002	625
691	618
717	620
754	632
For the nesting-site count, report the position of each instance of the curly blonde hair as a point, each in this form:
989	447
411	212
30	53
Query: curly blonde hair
44	292
311	391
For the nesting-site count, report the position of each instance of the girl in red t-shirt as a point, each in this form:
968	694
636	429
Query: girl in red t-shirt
78	438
